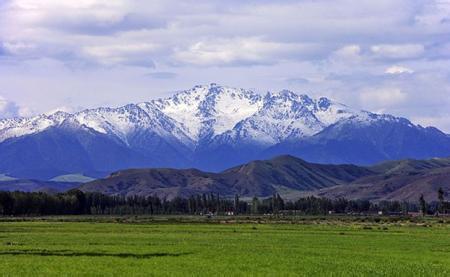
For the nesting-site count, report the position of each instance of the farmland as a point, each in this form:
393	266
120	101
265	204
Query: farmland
161	246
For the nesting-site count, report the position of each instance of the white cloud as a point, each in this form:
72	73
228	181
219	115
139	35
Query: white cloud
10	109
397	69
240	51
397	51
65	109
347	54
17	48
139	53
68	15
7	109
435	14
381	98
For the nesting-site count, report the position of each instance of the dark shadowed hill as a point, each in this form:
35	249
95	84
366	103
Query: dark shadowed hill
404	187
289	176
261	178
293	173
164	182
409	166
397	180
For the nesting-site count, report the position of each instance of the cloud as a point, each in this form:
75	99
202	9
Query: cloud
131	54
439	50
297	81
347	54
83	17
397	51
435	14
397	69
95	26
381	98
211	33
162	75
16	48
9	109
66	109
239	51
352	50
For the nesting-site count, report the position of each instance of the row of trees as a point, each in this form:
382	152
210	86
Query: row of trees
78	202
441	206
317	206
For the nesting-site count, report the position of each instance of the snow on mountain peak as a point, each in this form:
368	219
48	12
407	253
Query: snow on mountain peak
206	111
16	127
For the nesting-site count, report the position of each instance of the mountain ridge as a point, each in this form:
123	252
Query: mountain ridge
210	127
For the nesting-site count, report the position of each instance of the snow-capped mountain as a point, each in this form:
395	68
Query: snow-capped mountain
211	127
200	114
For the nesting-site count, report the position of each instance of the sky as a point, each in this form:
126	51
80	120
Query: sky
385	56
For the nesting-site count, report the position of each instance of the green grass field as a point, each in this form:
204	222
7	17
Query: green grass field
32	248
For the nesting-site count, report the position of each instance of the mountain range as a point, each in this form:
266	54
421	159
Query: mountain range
290	177
209	127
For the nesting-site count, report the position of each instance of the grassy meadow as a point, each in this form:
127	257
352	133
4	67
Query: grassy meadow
324	247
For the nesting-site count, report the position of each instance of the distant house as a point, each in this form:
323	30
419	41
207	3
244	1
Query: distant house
415	214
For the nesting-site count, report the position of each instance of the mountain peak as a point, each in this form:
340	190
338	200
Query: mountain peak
324	103
287	93
57	113
208	110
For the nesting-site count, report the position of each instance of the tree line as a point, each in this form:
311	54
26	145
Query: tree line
76	202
